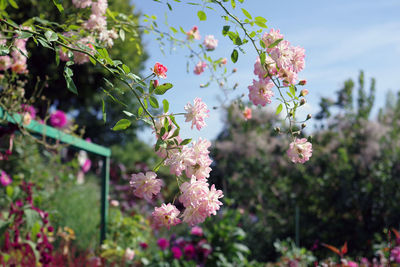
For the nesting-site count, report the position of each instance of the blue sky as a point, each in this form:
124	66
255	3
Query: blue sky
340	37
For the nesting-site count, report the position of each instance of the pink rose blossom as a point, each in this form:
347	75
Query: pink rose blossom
196	113
100	7
247	113
160	70
196	230
81	3
58	119
259	70
166	215
210	42
145	186
193	34
300	150
96	22
86	165
283	54
352	264
176	252
81	58
304	92
129	254
288	77
5	62
190	251
163	243
199	68
298	56
114	203
260	92
5	179
395	254
193	192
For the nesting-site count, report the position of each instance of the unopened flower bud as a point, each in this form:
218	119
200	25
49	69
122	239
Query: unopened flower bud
304	92
309	116
235	86
302	82
202	85
303	125
302	101
277	129
155	83
234	70
221	84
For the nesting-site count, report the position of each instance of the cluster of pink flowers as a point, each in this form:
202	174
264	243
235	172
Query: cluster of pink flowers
283	61
210	42
5	178
300	150
17	61
197	113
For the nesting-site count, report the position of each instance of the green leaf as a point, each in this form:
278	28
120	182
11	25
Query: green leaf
51	36
260	19
121	125
44	43
275	43
9	191
161	89
246	13
4	50
261	24
154	102
225	29
185	142
202	15
126	68
104	110
24	35
233	4
140	111
262	58
13	4
292	90
70	83
279	109
58	4
31	217
165	105
234	56
127	113
122	34
169	6
262	44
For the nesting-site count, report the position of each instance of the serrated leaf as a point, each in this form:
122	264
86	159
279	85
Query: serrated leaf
202	15
246	13
234	56
161	89
154	102
121	125
279	109
165	105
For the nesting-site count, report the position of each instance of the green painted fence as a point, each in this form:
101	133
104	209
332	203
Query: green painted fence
50	132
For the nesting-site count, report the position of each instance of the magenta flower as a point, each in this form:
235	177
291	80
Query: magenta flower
29	109
189	251
5	179
176	252
163	243
395	254
300	150
58	119
143	245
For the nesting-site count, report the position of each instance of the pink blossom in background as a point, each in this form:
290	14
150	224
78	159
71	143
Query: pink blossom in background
145	185
271	37
99	7
395	254
304	92
5	179
300	151
176	252
96	22
5	62
189	251
160	70
247	113
129	254
86	165
210	42
30	109
143	245
163	243
81	3
193	34
26	119
166	215
260	92
58	119
114	203
199	68
224	61
196	230
352	264
196	113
